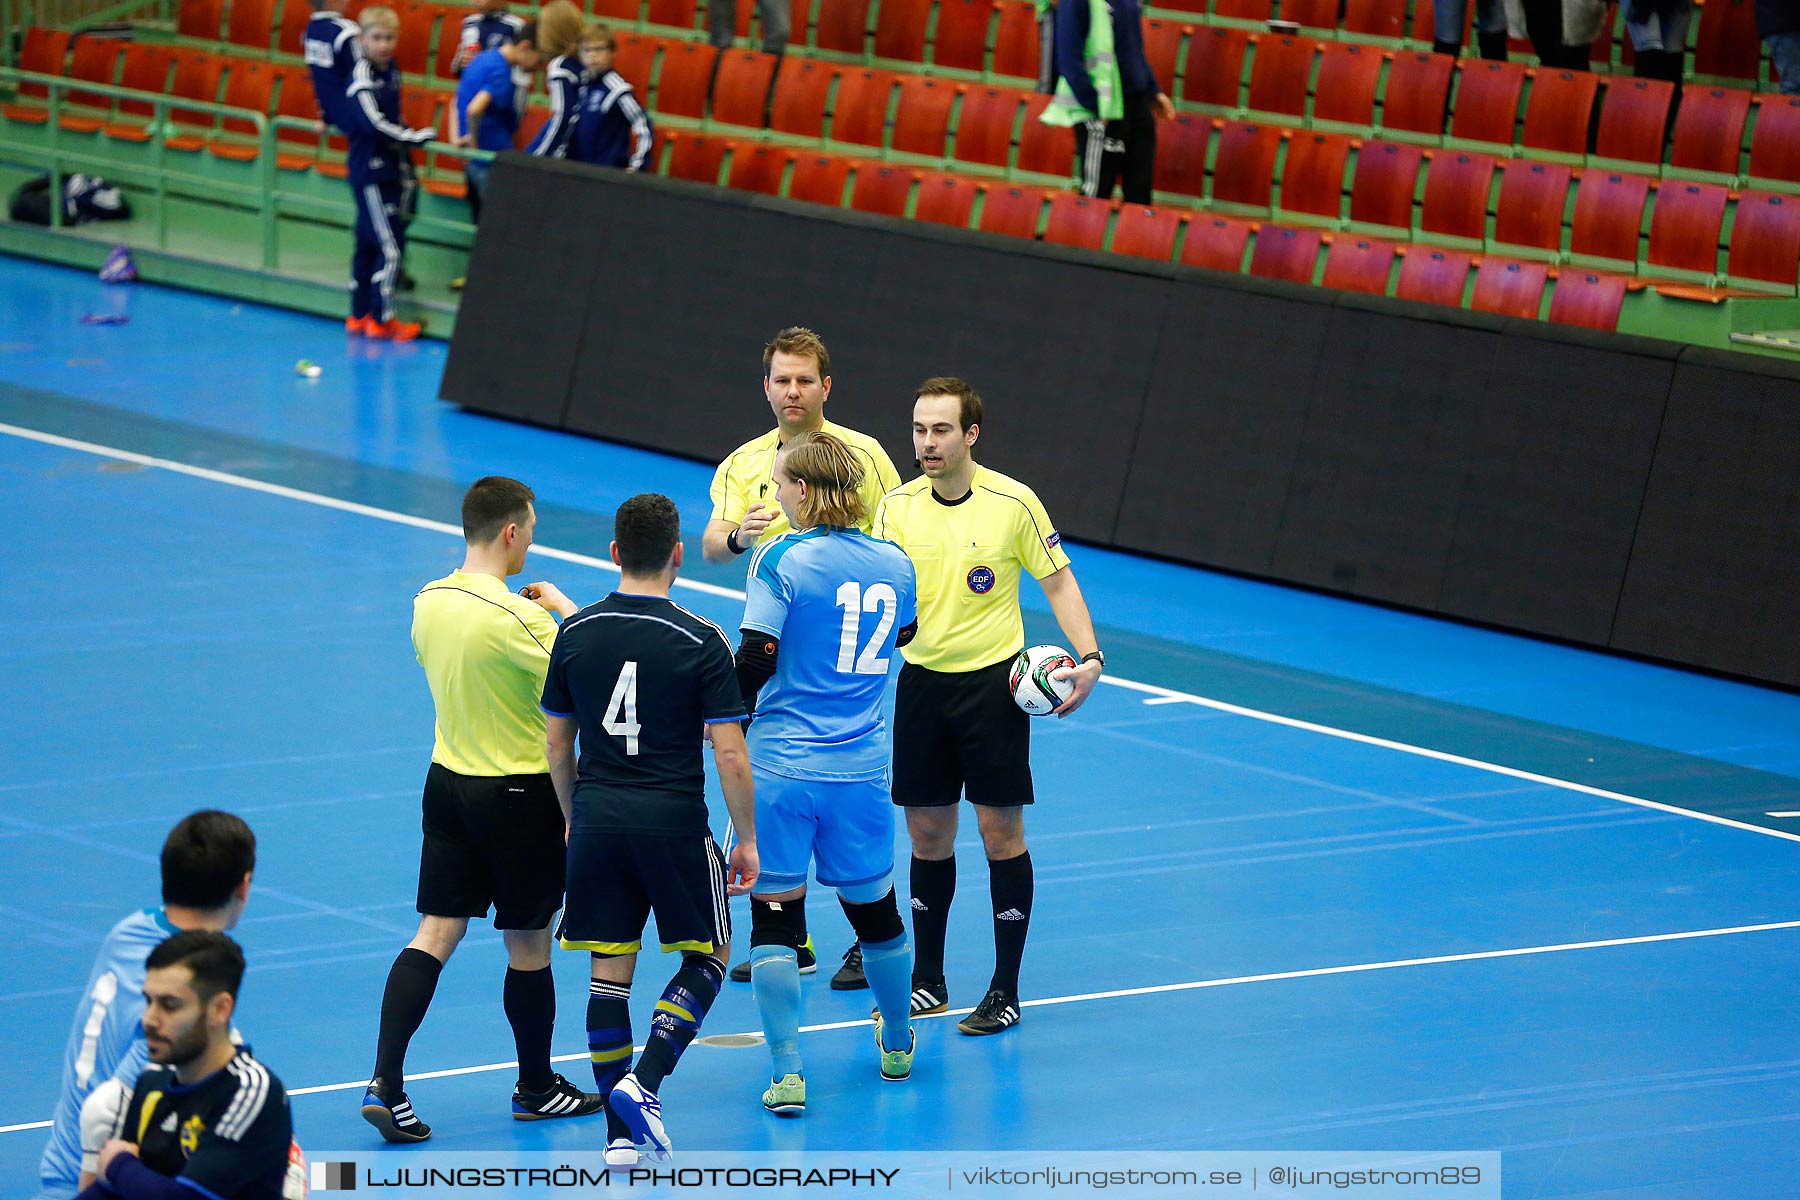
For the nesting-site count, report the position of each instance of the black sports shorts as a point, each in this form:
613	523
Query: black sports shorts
616	880
959	733
491	840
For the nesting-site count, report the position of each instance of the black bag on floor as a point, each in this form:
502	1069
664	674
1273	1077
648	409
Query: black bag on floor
85	198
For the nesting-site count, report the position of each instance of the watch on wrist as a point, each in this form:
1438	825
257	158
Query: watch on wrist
1094	656
731	542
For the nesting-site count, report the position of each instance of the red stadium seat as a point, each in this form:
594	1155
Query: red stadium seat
1376	18
1684	226
881	189
1487	100
1077	221
1016	41
1146	232
1215	66
200	19
1216	242
1348	75
1048	149
297	149
801	90
800	20
1311	14
449	39
1728	43
820	179
900	29
1192	6
1284	253
42	54
1313	180
1609	215
961	39
146	69
1709	129
617	10
1512	289
946	199
922	120
860	114
413	52
1162	49
290	35
1775	144
1533	196
1256	11
1633	118
1433	276
1243	169
1559	110
1416	88
843	26
1456	194
1181	154
247	86
1387	176
672	14
1359	264
984	129
1588	298
741	91
758	168
95	60
252	23
687	69
697	157
1280	73
635	61
1012	211
1765	239
196	78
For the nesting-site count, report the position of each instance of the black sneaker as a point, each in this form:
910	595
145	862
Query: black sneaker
850	977
561	1099
809	963
391	1113
929	996
998	1010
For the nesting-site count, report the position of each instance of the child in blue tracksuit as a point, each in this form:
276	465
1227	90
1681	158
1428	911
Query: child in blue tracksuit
611	127
486	113
331	50
381	175
558	42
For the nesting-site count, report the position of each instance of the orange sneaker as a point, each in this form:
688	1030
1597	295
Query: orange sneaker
394	330
358	325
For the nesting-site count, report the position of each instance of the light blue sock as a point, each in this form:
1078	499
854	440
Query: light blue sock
888	966
775	979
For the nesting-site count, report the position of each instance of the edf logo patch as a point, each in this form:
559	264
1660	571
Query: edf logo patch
981	580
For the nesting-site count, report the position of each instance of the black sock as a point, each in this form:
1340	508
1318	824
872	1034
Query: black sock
410	983
1010	884
609	1044
677	1017
933	887
529	998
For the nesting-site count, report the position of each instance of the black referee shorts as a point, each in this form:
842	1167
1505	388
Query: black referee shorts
491	840
616	880
959	733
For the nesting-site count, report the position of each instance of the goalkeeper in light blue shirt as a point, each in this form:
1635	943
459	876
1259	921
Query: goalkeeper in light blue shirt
207	862
826	605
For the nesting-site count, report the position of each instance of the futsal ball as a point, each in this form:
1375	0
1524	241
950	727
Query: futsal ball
1032	688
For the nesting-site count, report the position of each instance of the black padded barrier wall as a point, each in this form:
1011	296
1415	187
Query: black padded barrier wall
1611	491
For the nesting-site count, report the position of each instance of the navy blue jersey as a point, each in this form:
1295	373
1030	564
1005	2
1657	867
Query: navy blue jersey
565	78
225	1136
611	128
380	146
485	30
331	48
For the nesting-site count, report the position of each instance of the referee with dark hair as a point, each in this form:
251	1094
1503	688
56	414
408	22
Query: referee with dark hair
971	533
493	830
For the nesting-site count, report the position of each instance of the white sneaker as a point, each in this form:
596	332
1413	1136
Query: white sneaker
621	1153
642	1111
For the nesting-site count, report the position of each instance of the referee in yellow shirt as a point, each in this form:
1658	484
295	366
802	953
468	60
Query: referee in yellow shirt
971	533
797	383
493	829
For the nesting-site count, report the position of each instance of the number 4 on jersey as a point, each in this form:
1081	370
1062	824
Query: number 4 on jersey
621	711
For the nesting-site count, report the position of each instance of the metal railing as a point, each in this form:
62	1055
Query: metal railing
64	152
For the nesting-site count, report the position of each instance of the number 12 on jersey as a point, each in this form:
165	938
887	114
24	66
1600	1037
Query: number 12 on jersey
855	602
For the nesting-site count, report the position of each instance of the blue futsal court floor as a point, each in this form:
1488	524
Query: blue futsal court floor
1311	875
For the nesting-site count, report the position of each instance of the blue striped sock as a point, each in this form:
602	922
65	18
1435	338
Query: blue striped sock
775	978
609	1043
888	966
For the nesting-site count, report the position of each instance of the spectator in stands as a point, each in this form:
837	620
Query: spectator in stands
611	127
1110	95
1778	21
1449	17
489	27
1658	31
487	109
1561	31
381	178
776	20
559	35
331	49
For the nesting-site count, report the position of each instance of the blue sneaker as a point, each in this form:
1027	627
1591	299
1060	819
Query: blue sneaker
642	1113
391	1113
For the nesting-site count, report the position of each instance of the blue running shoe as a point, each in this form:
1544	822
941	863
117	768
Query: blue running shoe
642	1113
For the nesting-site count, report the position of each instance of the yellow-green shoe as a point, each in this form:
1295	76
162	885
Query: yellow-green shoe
895	1064
786	1096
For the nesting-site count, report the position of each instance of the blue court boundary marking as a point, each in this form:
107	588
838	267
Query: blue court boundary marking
1157	694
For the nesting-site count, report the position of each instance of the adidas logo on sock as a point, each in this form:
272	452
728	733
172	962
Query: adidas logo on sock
1011	914
918	904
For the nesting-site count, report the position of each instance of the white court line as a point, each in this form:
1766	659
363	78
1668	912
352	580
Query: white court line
1164	695
1782	814
1153	990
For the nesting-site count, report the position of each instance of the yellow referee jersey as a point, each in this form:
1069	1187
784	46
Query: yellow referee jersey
745	477
968	557
485	651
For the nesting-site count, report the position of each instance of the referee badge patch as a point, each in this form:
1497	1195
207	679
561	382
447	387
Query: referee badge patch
981	580
1053	541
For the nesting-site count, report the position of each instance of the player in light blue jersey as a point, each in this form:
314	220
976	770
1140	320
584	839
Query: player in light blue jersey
826	606
207	861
